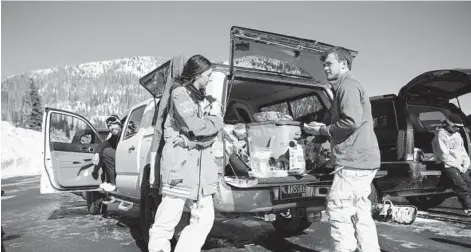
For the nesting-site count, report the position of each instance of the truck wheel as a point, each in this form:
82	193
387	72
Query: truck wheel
150	200
375	195
376	198
288	226
427	201
95	203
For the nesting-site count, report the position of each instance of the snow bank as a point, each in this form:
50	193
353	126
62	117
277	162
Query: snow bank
21	151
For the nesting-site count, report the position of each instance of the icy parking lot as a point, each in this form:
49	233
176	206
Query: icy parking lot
53	223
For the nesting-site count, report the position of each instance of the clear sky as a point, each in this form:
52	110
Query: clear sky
396	40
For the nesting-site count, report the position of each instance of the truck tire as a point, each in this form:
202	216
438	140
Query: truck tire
375	196
95	203
149	202
427	201
287	226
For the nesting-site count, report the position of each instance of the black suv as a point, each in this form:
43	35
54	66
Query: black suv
405	126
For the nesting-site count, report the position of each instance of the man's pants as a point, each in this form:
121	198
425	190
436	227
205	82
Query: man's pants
168	216
108	159
349	211
461	185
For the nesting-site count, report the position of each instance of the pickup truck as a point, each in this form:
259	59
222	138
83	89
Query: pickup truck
285	76
405	125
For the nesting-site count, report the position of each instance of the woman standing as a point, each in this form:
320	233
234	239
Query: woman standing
188	169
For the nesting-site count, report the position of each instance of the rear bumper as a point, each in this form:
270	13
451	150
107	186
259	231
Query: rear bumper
315	205
230	199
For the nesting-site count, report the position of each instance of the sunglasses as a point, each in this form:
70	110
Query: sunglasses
112	119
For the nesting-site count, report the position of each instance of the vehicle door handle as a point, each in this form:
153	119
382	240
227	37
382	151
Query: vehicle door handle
87	149
87	159
131	149
76	162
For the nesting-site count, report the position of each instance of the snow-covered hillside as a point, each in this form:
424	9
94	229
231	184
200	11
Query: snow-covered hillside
136	65
93	90
21	151
269	64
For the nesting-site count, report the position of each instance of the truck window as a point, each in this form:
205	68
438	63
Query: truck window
148	117
134	122
231	116
70	129
431	120
384	115
280	107
245	116
306	109
427	118
236	114
305	106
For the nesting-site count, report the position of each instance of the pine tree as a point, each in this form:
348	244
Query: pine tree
34	120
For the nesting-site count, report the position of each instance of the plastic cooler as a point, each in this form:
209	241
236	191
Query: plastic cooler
272	135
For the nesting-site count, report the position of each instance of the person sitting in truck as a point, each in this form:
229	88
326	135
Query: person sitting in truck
448	148
106	152
188	169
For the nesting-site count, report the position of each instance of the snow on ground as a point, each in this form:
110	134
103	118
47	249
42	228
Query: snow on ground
21	151
420	225
441	228
437	227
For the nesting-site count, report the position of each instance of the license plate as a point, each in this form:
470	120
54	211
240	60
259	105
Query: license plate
293	191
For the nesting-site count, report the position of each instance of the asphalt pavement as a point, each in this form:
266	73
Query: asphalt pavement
59	222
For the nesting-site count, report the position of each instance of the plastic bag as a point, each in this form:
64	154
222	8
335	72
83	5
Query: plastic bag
259	163
240	131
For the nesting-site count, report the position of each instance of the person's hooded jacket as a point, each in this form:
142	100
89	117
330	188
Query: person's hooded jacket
183	172
449	149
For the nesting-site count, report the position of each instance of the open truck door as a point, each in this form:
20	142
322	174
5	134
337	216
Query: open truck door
70	142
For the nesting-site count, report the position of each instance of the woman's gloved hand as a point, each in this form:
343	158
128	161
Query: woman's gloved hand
184	142
181	141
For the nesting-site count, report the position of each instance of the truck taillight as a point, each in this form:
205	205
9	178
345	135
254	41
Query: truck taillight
276	193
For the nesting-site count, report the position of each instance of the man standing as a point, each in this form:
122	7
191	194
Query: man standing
448	148
355	153
106	153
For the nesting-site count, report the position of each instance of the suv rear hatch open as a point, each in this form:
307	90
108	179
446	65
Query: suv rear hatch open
286	55
428	98
438	85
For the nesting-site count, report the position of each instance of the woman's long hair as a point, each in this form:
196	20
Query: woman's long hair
195	65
